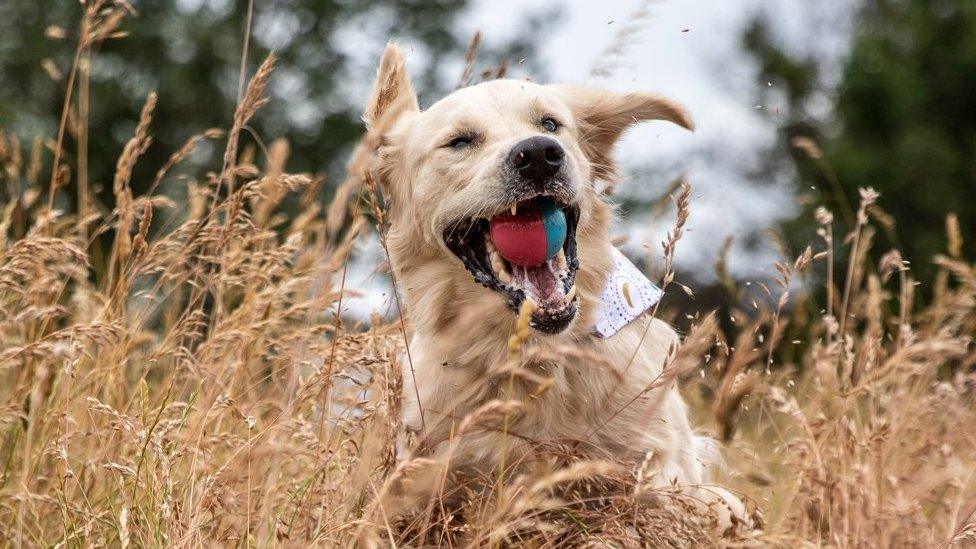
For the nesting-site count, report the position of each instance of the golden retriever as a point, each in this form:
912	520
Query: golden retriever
446	172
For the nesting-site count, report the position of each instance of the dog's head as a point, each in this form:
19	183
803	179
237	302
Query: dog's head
472	179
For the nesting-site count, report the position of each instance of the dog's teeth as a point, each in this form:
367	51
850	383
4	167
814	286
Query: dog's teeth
498	266
571	295
513	208
561	261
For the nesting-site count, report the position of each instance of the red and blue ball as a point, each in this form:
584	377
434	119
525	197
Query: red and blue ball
531	236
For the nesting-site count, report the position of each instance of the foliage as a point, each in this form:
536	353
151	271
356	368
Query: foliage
188	52
903	120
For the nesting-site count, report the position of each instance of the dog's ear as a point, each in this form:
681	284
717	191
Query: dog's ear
391	99
603	116
392	94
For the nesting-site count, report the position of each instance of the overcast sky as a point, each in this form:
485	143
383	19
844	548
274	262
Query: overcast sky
689	51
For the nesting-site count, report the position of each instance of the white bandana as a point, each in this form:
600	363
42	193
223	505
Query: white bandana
626	295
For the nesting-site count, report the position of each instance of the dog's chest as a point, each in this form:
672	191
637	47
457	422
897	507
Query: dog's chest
572	400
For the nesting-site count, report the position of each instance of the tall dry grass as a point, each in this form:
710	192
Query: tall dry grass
193	383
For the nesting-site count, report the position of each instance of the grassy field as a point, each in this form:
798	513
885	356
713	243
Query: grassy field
189	381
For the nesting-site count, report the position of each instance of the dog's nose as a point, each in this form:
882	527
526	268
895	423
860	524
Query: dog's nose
536	158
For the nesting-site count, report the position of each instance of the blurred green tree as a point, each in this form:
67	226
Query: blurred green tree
189	51
902	120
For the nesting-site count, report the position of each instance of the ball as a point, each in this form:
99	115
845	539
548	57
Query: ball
531	236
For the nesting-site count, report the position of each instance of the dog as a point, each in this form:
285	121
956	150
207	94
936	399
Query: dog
447	174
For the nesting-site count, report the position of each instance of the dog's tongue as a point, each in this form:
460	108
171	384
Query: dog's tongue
543	283
532	235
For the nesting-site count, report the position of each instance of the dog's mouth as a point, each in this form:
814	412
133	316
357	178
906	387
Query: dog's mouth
527	251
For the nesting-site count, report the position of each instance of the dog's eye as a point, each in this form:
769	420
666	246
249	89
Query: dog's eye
549	124
460	142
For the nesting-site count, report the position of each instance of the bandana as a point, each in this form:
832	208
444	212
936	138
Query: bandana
626	295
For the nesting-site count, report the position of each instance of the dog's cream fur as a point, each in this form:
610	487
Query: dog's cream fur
598	402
